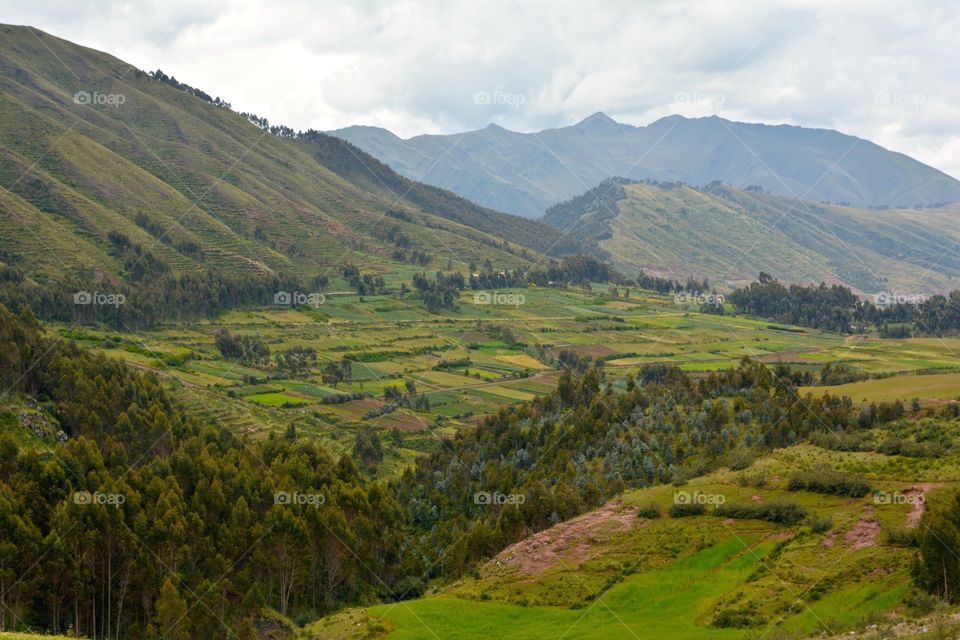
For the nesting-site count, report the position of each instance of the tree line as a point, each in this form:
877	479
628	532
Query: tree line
837	308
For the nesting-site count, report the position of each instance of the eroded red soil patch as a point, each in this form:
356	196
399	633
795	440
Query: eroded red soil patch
917	496
571	542
864	533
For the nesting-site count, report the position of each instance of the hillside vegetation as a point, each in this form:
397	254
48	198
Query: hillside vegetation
729	235
126	182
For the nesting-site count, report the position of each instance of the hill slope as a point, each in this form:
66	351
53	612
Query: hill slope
525	173
615	572
728	234
90	146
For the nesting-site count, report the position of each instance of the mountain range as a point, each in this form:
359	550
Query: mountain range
168	180
525	173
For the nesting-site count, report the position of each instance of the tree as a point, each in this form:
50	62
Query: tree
297	361
938	570
171	619
367	449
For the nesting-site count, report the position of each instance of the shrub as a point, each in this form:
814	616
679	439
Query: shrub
843	441
819	523
686	510
752	480
777	511
827	480
741	458
900	537
650	511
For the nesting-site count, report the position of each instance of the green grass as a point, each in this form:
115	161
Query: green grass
276	399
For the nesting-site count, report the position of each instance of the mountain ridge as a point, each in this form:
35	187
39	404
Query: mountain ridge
728	234
168	182
525	173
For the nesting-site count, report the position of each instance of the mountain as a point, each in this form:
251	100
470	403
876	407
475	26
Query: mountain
524	173
729	234
115	176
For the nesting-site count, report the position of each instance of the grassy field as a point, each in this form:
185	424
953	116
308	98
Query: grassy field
927	388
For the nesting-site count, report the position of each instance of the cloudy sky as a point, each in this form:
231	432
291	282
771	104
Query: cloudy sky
886	71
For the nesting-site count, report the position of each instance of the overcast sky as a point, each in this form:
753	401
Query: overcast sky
885	71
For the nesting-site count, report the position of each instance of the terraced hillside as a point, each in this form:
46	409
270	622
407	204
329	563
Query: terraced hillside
91	146
729	234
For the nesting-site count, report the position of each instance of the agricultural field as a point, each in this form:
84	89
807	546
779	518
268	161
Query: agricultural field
927	388
468	363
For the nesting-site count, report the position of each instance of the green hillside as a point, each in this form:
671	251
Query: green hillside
615	572
728	234
187	186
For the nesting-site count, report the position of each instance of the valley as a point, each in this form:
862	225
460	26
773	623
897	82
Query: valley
469	363
693	379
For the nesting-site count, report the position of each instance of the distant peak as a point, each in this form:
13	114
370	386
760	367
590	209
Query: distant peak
597	120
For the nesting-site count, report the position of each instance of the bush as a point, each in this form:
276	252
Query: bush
686	510
843	441
819	523
651	511
900	537
740	459
777	511
409	587
900	447
827	480
752	480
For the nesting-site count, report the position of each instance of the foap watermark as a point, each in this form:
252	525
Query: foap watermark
100	99
299	298
687	297
295	497
484	498
697	497
99	298
897	497
500	98
499	298
886	298
104	499
898	99
698	97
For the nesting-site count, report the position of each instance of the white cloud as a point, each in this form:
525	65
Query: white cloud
417	67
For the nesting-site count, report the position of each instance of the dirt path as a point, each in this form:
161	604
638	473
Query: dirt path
917	495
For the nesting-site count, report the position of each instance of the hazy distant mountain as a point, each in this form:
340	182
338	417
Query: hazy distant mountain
525	173
728	234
